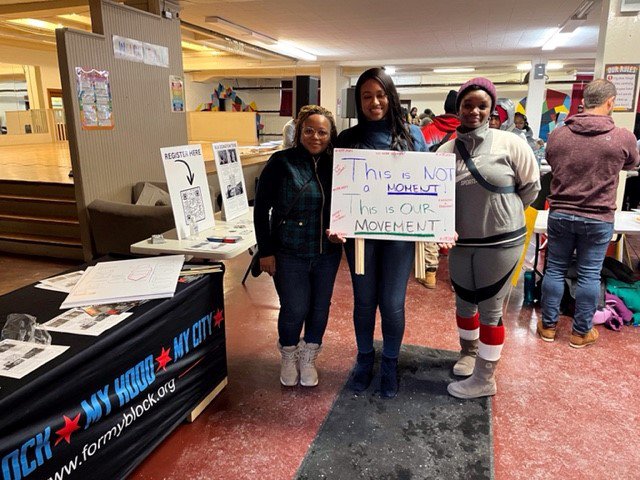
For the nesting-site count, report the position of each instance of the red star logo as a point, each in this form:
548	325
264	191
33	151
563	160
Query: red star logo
163	359
65	432
218	318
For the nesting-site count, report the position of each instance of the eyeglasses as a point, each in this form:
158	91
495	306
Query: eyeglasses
310	132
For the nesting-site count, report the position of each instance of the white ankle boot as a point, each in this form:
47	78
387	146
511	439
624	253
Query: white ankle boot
308	352
289	365
481	384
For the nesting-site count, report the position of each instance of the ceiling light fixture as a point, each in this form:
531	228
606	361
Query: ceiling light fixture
39	24
195	47
74	17
564	32
239	30
525	67
288	48
454	70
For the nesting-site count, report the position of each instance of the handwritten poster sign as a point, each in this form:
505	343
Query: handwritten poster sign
188	189
393	195
229	168
625	78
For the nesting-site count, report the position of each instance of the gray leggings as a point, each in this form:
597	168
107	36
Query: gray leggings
481	278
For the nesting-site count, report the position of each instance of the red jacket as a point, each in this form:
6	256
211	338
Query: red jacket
436	131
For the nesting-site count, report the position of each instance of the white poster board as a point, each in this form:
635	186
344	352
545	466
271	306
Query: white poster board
231	178
188	188
392	195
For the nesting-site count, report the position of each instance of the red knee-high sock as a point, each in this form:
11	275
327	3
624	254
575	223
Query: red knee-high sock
468	327
491	342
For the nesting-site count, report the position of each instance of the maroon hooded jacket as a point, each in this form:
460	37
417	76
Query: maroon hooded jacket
586	155
435	131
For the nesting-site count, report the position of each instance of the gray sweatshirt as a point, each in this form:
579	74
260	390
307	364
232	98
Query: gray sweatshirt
485	218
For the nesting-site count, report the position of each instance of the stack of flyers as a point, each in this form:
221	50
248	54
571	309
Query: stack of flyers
61	283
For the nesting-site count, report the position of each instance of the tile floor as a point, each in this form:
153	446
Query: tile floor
560	413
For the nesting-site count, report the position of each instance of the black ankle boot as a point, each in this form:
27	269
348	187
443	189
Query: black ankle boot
388	377
363	373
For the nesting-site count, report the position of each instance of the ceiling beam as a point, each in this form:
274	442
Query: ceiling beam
57	7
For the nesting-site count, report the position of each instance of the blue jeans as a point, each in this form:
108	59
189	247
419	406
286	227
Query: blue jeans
387	265
305	286
590	239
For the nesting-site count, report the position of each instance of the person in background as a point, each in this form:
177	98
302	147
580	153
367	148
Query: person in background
495	120
497	177
429	113
295	186
289	133
424	120
586	155
413	116
442	129
522	126
387	264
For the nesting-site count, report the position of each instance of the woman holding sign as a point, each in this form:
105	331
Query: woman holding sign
387	264
497	177
295	186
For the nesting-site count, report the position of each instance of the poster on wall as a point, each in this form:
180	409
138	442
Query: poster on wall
391	195
176	86
128	49
94	99
231	178
188	189
625	78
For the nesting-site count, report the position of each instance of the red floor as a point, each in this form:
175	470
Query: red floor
560	413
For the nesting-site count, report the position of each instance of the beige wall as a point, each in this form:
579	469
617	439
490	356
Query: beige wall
46	60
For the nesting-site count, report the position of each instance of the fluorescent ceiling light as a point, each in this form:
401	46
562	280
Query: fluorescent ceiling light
454	70
239	30
74	17
33	23
390	70
525	67
227	25
288	48
557	40
583	10
196	47
263	38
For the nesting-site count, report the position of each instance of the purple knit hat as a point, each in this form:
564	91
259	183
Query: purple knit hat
485	84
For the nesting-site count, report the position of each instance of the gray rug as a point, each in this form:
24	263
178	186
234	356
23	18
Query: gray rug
423	433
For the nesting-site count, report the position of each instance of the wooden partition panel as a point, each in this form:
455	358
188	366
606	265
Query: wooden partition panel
223	127
106	163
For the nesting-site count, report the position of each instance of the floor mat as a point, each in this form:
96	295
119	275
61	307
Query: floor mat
423	433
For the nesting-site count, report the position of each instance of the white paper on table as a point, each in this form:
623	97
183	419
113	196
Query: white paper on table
18	359
79	322
126	281
64	282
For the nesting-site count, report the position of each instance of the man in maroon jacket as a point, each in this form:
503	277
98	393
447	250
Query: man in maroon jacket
586	156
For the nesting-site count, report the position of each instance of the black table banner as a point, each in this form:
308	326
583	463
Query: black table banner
101	407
